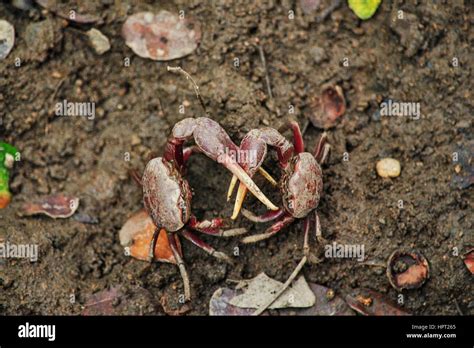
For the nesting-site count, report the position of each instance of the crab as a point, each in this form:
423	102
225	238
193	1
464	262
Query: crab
300	185
167	194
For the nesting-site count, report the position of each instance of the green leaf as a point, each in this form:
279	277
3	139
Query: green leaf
364	9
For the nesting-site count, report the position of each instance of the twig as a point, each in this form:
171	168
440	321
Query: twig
458	307
267	78
283	288
326	12
195	86
305	127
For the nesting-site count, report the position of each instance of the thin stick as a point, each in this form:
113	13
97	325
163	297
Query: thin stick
458	307
283	288
267	78
195	86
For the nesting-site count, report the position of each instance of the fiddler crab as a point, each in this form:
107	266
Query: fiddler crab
167	194
300	185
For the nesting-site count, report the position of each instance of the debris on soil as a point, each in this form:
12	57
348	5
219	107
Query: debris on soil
328	108
40	37
309	6
170	310
24	5
469	260
55	206
364	9
69	14
220	303
464	167
99	41
388	168
407	25
7	38
8	154
137	234
407	270
369	302
327	303
103	302
262	287
163	36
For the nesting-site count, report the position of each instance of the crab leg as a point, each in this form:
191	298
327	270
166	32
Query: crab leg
151	251
181	266
275	228
265	217
322	149
212	228
298	142
317	225
204	246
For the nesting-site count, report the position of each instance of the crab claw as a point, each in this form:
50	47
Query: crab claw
234	180
239	200
246	180
231	187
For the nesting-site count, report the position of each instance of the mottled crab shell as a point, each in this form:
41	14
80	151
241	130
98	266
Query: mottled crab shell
302	185
166	195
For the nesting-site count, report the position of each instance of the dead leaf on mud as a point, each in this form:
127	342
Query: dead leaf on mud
327	303
262	288
137	233
163	36
7	38
55	206
220	303
469	260
67	13
368	302
327	108
103	302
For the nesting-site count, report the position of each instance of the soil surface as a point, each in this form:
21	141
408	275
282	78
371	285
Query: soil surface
424	58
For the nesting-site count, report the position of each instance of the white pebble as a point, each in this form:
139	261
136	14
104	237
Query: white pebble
388	168
99	41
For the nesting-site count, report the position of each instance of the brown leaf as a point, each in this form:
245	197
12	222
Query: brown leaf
137	234
220	303
369	302
102	303
328	108
327	303
469	261
55	206
162	36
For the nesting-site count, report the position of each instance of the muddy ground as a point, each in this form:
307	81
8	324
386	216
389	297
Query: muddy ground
136	107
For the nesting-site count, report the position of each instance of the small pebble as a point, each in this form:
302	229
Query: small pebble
388	168
99	41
